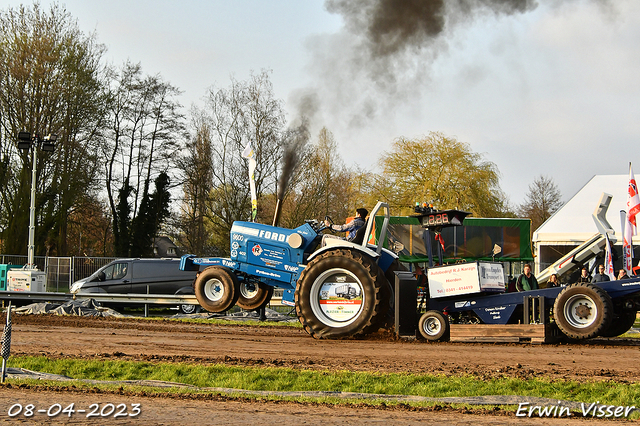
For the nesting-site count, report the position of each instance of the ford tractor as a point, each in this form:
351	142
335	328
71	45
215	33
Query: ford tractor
339	288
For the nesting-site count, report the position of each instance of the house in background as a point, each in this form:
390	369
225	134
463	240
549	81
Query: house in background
164	247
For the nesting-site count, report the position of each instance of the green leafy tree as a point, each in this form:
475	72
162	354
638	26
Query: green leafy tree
154	210
51	82
439	170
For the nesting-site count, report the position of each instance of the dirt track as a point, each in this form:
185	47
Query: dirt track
168	341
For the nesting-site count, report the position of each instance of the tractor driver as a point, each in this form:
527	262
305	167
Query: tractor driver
352	226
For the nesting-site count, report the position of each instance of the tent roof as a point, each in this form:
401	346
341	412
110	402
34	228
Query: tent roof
573	223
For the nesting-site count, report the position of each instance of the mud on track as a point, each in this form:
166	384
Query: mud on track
281	346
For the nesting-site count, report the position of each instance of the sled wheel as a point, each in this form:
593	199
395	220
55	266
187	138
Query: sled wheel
216	289
338	294
582	311
254	295
434	325
620	324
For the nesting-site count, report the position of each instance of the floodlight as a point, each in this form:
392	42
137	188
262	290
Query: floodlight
24	136
24	145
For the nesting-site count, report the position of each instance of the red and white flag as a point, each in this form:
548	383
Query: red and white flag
608	261
633	201
627	244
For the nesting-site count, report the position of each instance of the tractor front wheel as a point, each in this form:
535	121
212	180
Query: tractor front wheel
216	289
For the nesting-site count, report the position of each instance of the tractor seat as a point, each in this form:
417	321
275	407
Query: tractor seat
360	234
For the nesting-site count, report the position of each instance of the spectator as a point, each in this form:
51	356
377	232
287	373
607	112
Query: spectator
600	276
584	276
622	274
553	281
526	281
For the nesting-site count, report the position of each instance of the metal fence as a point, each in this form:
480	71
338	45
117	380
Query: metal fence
61	271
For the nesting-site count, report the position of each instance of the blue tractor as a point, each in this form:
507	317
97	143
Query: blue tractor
313	274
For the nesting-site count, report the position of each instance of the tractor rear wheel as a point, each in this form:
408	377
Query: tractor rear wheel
434	325
254	295
338	294
216	289
583	311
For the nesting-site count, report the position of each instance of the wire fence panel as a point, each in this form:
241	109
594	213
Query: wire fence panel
61	271
85	266
59	277
18	259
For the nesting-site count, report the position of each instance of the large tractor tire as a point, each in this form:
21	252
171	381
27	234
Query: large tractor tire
216	289
583	311
434	325
620	324
253	296
338	295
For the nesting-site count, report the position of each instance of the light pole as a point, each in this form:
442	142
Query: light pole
27	141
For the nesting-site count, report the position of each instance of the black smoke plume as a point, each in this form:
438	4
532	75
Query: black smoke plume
395	26
296	142
383	56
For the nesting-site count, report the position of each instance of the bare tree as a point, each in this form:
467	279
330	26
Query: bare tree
146	126
323	185
542	200
246	112
197	178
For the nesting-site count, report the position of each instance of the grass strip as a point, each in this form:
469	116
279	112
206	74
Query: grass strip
286	379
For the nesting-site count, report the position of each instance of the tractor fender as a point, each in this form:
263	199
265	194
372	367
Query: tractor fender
384	259
338	244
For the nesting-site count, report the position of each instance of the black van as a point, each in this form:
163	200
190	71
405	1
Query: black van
140	276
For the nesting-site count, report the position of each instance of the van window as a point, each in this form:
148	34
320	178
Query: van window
156	269
117	271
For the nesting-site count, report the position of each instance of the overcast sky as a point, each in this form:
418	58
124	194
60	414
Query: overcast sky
549	87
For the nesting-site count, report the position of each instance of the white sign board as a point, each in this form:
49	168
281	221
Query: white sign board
465	278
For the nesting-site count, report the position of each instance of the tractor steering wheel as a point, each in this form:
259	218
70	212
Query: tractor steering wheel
328	219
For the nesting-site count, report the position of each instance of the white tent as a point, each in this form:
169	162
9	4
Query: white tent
572	225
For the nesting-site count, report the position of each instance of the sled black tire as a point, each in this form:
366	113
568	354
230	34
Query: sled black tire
620	324
361	272
583	311
253	296
216	289
387	296
434	325
188	309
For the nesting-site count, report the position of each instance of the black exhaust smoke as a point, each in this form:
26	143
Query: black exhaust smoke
296	141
